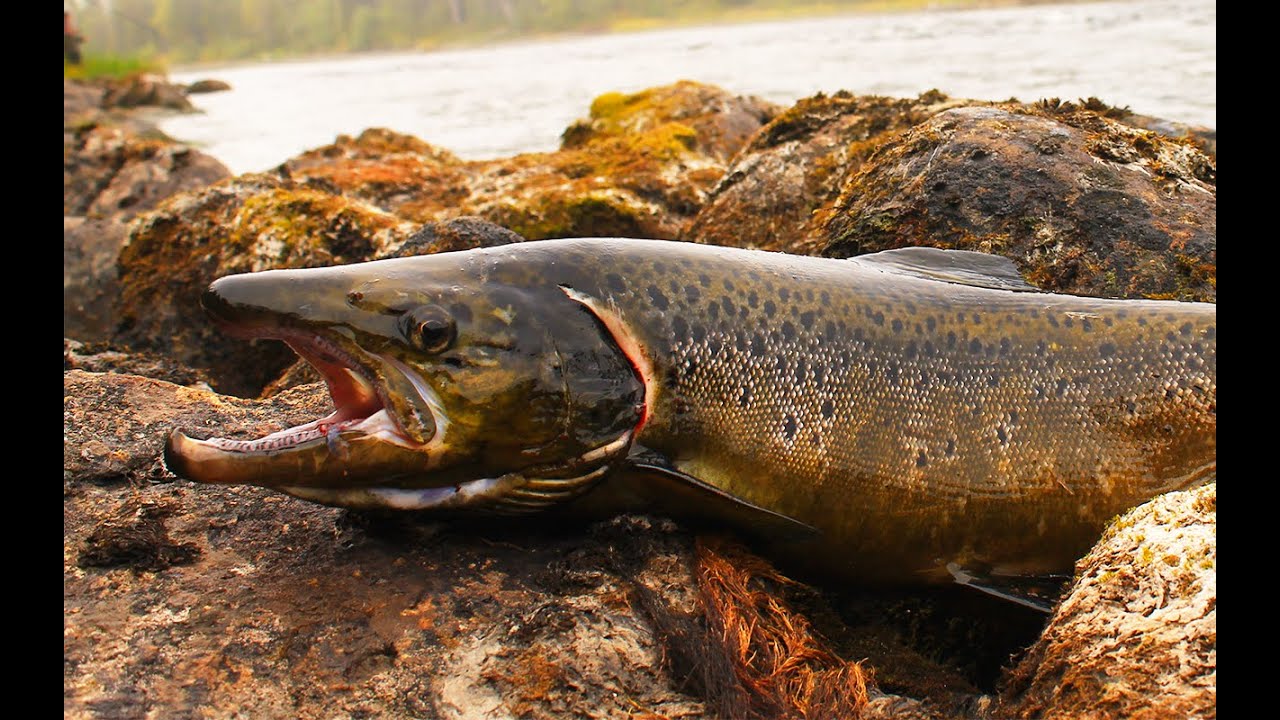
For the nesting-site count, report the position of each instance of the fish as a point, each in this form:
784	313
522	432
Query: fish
910	416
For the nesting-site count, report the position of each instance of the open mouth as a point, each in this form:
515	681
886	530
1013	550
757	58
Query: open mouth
360	401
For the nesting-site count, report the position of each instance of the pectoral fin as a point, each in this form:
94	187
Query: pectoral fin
1038	592
650	484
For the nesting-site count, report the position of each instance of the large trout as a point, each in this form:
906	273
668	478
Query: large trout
883	418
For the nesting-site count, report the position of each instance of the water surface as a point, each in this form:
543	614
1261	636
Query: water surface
1159	57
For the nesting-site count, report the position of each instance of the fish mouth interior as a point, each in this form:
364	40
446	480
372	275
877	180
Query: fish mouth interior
359	400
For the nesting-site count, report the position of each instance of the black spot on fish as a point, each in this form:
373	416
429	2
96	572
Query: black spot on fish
1142	321
659	267
829	332
1001	435
1039	391
1069	321
929	350
1185	330
931	323
757	345
857	334
753	299
1085	324
461	311
1197	348
769	308
878	318
679	328
808	295
713	310
1041	347
1107	349
789	427
1013	417
1108	321
704	280
727	304
692	293
975	346
896	325
784	294
744	399
1062	387
960	318
781	365
788	330
728	286
977	319
615	282
912	351
910	306
1005	346
1211	332
828	409
993	380
1052	320
951	340
698	333
800	371
659	300
922	459
815	439
893	373
951	447
1131	407
825	298
819	374
806	319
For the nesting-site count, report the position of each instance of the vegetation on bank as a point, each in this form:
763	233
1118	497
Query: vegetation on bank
186	31
111	66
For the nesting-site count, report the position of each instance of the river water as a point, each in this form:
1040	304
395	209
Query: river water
1159	57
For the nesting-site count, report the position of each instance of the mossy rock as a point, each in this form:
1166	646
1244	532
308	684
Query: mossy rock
1082	203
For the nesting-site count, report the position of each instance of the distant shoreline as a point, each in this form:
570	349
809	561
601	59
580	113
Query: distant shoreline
625	26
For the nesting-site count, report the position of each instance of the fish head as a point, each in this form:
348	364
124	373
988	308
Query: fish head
454	387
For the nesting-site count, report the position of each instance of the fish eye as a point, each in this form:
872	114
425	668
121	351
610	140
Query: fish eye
429	328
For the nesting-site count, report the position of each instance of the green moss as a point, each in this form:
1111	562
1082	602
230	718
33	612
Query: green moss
112	66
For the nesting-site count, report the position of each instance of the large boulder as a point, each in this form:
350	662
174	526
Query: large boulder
778	189
1082	203
1137	636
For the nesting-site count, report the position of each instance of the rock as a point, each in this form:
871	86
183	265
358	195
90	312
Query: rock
146	90
207	86
90	248
79	98
640	166
109	175
1137	635
101	357
1082	203
251	223
464	233
778	189
721	123
395	172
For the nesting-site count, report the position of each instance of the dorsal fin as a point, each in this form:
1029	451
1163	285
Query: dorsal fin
963	267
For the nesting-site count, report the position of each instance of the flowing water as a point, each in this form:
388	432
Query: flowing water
1159	57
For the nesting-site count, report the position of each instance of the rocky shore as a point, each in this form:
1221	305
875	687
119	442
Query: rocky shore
185	601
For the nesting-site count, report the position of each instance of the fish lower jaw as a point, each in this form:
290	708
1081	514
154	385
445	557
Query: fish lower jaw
330	429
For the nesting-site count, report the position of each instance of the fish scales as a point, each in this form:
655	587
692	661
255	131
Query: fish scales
959	417
913	422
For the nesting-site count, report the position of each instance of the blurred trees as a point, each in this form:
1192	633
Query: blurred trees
201	30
